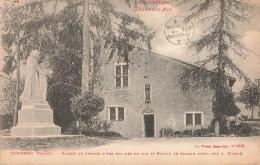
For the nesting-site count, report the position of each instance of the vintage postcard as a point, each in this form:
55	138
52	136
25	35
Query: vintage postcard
130	82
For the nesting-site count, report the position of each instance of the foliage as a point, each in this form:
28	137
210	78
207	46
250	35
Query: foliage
249	95
57	35
92	127
6	121
228	107
59	97
187	132
107	29
223	128
242	130
218	42
202	132
166	132
243	117
86	106
123	40
170	132
9	94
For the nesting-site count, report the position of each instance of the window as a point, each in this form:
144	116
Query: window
193	118
112	113
189	119
121	114
197	118
121	75
117	113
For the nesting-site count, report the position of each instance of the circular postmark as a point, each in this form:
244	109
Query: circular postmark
179	31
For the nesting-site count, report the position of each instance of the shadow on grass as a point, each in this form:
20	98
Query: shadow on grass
52	143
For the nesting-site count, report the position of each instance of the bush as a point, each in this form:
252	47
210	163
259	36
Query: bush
104	134
242	130
187	133
6	121
169	132
202	132
166	132
86	106
178	134
244	117
59	97
93	127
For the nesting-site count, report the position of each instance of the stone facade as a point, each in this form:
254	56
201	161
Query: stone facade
168	105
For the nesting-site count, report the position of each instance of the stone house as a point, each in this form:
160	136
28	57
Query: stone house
143	96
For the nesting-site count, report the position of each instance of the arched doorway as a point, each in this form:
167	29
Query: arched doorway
148	123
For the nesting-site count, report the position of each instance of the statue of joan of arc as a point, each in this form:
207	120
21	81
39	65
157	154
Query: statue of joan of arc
35	88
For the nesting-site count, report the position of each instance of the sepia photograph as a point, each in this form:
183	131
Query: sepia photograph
119	82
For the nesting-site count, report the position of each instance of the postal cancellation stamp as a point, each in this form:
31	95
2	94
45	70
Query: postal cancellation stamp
178	31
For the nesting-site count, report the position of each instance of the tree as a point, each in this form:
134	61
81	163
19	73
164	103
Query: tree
98	23
59	97
9	96
218	43
60	38
99	18
57	35
249	95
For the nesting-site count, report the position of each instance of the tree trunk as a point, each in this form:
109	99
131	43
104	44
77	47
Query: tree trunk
216	128
17	81
221	66
87	65
252	108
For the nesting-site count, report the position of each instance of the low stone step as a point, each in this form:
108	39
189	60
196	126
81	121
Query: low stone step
36	107
35	130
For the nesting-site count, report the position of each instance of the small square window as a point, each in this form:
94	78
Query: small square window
193	119
117	113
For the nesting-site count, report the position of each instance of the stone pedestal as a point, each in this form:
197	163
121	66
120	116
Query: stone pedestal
35	120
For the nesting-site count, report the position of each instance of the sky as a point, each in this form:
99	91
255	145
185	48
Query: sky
250	33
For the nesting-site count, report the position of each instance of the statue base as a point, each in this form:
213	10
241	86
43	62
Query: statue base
35	120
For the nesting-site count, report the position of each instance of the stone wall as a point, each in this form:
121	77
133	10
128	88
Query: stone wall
168	101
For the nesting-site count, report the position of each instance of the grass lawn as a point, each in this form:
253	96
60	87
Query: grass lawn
51	143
